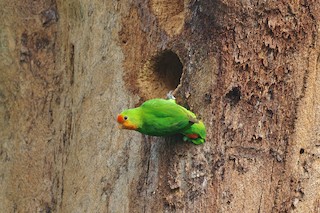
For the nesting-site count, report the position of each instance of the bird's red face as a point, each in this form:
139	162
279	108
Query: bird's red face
125	123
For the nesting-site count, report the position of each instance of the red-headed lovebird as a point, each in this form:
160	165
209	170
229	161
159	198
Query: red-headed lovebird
160	117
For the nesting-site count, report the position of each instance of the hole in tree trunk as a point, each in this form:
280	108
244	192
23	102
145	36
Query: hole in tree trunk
160	74
234	95
301	151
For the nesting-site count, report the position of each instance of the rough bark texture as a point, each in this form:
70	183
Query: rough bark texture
249	69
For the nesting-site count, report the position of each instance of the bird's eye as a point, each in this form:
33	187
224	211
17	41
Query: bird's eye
125	117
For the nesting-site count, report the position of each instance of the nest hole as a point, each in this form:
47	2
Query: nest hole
160	74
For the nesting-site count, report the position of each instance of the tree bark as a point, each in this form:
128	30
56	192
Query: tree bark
249	69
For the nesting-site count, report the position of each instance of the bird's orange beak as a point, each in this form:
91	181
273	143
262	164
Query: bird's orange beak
120	119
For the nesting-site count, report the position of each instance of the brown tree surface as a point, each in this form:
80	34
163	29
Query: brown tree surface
249	69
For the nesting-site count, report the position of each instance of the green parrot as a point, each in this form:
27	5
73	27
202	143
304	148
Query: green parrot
160	117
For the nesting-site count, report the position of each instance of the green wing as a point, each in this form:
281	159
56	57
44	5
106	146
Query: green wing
164	117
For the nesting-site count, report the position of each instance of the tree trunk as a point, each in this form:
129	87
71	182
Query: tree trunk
249	69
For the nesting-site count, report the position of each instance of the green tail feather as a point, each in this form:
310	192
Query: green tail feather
195	141
196	128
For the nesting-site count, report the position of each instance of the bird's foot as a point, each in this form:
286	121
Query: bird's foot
170	95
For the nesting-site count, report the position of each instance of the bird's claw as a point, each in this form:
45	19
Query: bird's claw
170	95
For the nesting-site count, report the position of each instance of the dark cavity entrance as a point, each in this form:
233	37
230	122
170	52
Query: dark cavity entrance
168	68
234	95
160	74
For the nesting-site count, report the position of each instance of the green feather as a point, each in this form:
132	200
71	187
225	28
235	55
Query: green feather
164	117
197	128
